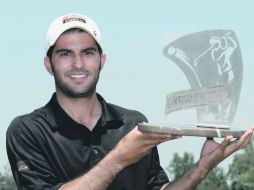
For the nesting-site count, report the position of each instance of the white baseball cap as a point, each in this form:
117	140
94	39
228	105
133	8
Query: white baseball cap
72	20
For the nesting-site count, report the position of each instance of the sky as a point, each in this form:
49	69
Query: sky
136	75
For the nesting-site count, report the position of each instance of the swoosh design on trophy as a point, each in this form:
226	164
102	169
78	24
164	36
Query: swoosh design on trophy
210	60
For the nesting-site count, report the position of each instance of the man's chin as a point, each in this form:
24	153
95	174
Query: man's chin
77	94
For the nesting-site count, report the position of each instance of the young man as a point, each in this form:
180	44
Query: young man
79	141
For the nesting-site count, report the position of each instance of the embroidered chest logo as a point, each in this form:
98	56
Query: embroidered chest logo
22	166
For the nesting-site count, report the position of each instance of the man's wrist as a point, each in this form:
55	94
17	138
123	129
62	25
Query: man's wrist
114	161
202	169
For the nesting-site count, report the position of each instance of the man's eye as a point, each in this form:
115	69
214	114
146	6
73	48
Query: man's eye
89	53
65	54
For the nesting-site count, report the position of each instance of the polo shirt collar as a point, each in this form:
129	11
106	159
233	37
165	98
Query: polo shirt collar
110	118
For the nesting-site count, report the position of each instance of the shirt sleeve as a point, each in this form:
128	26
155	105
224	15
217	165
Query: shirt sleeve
157	176
29	167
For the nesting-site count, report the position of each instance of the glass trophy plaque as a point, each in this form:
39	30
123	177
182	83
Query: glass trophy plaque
212	63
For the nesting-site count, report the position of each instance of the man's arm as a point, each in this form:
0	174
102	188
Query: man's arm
99	177
211	155
134	146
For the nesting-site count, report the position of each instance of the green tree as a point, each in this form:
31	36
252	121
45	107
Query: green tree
6	180
241	171
180	165
215	180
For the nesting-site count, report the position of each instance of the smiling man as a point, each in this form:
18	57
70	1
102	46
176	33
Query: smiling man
79	141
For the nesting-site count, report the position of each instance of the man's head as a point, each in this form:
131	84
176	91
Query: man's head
49	51
74	55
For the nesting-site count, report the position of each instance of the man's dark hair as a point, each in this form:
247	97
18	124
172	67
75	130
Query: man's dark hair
50	51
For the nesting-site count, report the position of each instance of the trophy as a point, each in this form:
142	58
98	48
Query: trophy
212	63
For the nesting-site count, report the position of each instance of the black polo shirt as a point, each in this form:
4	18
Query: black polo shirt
47	148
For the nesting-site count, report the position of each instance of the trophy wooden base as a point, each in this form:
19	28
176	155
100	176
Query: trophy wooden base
198	131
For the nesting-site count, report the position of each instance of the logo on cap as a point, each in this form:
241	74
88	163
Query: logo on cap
73	18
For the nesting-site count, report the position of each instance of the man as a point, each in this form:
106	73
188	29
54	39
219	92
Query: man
78	141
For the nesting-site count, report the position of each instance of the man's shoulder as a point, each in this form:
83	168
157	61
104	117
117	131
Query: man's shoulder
27	120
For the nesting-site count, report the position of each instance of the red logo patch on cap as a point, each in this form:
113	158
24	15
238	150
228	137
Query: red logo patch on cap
71	18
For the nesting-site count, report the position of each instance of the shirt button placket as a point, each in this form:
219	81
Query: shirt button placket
95	151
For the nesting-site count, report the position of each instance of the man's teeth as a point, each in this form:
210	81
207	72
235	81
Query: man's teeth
77	76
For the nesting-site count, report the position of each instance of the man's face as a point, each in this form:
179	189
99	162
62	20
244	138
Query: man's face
76	64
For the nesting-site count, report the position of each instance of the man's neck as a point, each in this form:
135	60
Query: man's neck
85	111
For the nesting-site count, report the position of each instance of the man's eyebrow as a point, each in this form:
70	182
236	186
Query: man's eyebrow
63	50
90	49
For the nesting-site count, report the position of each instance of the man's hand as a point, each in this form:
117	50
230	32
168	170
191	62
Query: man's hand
136	144
213	153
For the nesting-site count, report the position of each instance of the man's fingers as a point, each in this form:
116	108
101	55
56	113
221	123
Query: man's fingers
151	138
153	135
245	138
226	141
239	143
158	137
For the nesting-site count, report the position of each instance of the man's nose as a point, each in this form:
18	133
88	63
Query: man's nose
78	61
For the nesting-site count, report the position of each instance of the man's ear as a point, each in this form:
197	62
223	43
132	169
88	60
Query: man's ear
48	65
103	60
